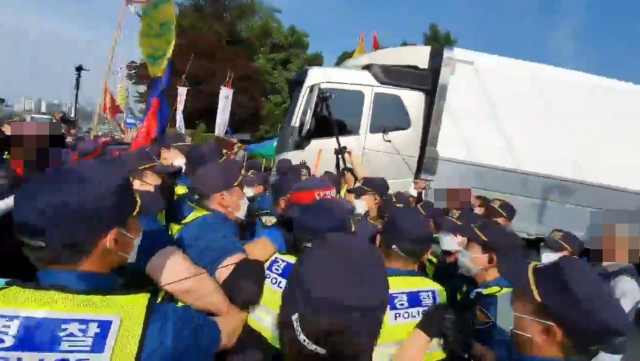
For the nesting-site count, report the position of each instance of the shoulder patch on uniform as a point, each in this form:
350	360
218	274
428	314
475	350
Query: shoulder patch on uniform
268	220
483	318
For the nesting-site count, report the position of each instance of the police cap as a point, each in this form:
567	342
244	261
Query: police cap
201	154
253	165
576	298
62	207
370	185
283	166
350	293
559	241
174	140
460	221
311	190
255	179
283	185
216	177
499	208
321	217
146	159
402	233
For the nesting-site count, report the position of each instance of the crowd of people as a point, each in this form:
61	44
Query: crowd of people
178	251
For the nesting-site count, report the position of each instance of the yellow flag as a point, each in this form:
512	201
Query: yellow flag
157	34
121	97
360	50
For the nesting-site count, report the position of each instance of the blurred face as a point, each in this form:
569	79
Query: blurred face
620	243
533	336
6	128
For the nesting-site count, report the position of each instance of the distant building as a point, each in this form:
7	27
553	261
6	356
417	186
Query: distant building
29	105
18	107
38	105
51	107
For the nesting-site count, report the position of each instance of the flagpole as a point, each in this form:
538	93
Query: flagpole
116	37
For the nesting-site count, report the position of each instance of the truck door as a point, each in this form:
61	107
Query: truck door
349	105
392	140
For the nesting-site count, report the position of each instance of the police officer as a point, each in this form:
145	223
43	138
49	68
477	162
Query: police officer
334	302
173	147
368	196
76	306
310	220
501	211
560	243
197	156
547	325
491	300
261	224
403	245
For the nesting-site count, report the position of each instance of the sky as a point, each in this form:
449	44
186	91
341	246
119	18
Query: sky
44	40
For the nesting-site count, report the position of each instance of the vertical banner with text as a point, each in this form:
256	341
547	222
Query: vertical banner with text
224	110
182	96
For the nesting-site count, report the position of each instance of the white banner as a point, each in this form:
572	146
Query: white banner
182	96
224	110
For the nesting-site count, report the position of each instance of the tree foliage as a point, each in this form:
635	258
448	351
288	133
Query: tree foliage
345	55
245	37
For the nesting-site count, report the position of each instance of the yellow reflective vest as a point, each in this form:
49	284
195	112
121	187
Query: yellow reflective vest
409	297
175	228
264	316
47	324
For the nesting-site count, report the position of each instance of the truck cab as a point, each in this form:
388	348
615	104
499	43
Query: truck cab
382	108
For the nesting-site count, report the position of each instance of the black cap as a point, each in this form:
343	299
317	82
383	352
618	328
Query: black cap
66	206
146	159
576	298
255	179
405	233
559	241
217	177
352	291
253	165
283	185
175	140
201	154
370	185
321	217
283	166
499	208
460	221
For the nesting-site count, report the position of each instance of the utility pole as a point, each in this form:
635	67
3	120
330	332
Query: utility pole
79	69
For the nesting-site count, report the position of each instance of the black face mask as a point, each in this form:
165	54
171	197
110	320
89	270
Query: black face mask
152	203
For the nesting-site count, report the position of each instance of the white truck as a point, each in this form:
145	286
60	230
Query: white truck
556	143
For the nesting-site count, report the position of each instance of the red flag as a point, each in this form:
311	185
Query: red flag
110	107
376	43
149	128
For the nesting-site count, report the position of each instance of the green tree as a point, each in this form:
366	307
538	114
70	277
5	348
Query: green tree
345	55
437	38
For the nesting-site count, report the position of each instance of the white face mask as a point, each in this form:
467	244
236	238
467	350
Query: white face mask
360	206
548	256
513	330
465	265
180	162
244	206
249	192
131	257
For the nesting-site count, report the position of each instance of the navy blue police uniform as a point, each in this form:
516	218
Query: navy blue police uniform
62	210
207	236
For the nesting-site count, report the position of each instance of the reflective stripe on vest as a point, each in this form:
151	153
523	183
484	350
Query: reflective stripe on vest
264	317
175	228
181	190
47	324
430	264
409	297
504	310
343	191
